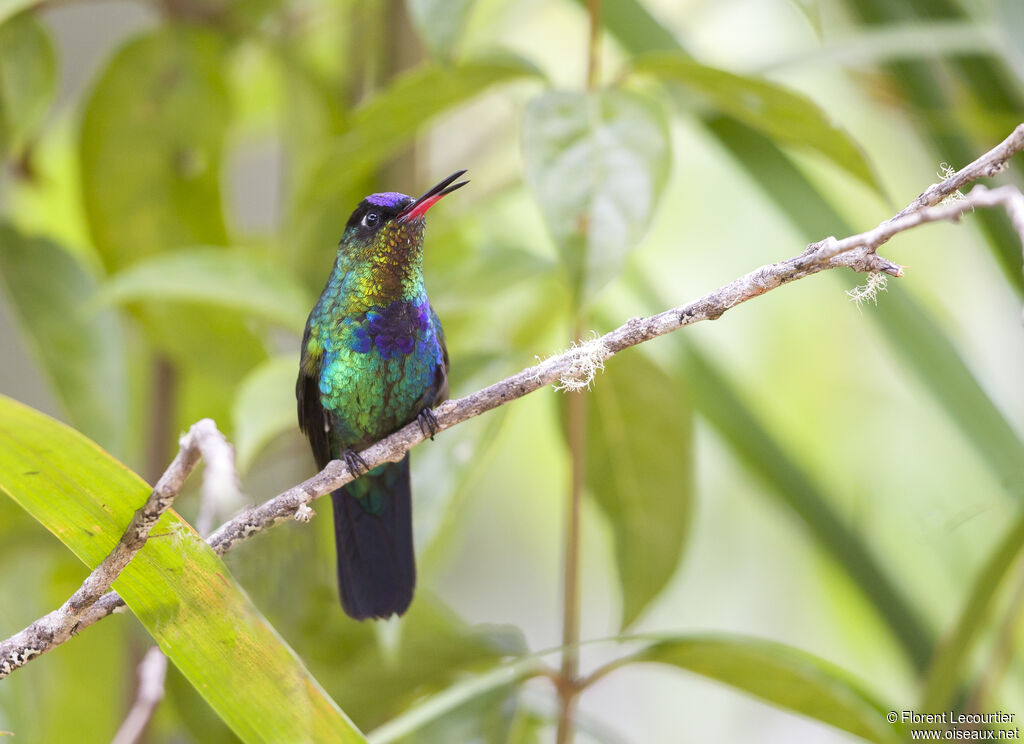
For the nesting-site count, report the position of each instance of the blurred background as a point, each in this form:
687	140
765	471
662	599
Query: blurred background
842	478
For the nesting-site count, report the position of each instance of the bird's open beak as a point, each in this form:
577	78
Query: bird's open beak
419	207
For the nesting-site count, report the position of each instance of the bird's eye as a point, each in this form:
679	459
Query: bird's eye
371	219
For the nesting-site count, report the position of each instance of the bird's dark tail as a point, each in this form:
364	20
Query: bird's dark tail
373	534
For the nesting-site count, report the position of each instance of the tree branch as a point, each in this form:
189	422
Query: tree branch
572	369
152	672
81	609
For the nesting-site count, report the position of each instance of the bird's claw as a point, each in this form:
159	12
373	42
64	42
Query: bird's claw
428	423
353	462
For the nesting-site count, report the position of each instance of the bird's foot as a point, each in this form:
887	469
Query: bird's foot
428	423
354	462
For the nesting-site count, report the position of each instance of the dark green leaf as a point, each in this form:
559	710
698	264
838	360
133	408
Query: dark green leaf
815	216
783	115
460	695
28	78
485	718
235	280
635	27
952	653
639	468
914	335
151	146
81	352
780	675
719	403
434	650
596	164
429	650
177	587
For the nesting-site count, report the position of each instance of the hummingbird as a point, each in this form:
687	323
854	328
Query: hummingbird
373	360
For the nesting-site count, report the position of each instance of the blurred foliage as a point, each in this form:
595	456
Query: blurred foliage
626	465
170	208
28	77
81	351
780	675
176	587
597	164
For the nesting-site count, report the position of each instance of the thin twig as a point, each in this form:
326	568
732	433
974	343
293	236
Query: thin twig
570	666
992	162
90	602
565	682
152	672
220	486
856	252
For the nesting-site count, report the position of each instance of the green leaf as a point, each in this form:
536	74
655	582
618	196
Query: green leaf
176	586
716	400
425	651
787	186
151	149
963	107
439	23
639	468
379	129
264	407
780	675
28	78
9	8
210	353
485	718
434	650
952	653
933	359
395	115
41	574
151	146
82	353
784	116
596	164
49	205
193	715
235	280
917	340
459	695
635	27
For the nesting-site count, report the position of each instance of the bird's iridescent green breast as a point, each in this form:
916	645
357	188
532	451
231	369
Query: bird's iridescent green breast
378	368
373	343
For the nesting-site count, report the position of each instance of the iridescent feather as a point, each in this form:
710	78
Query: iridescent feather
373	359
